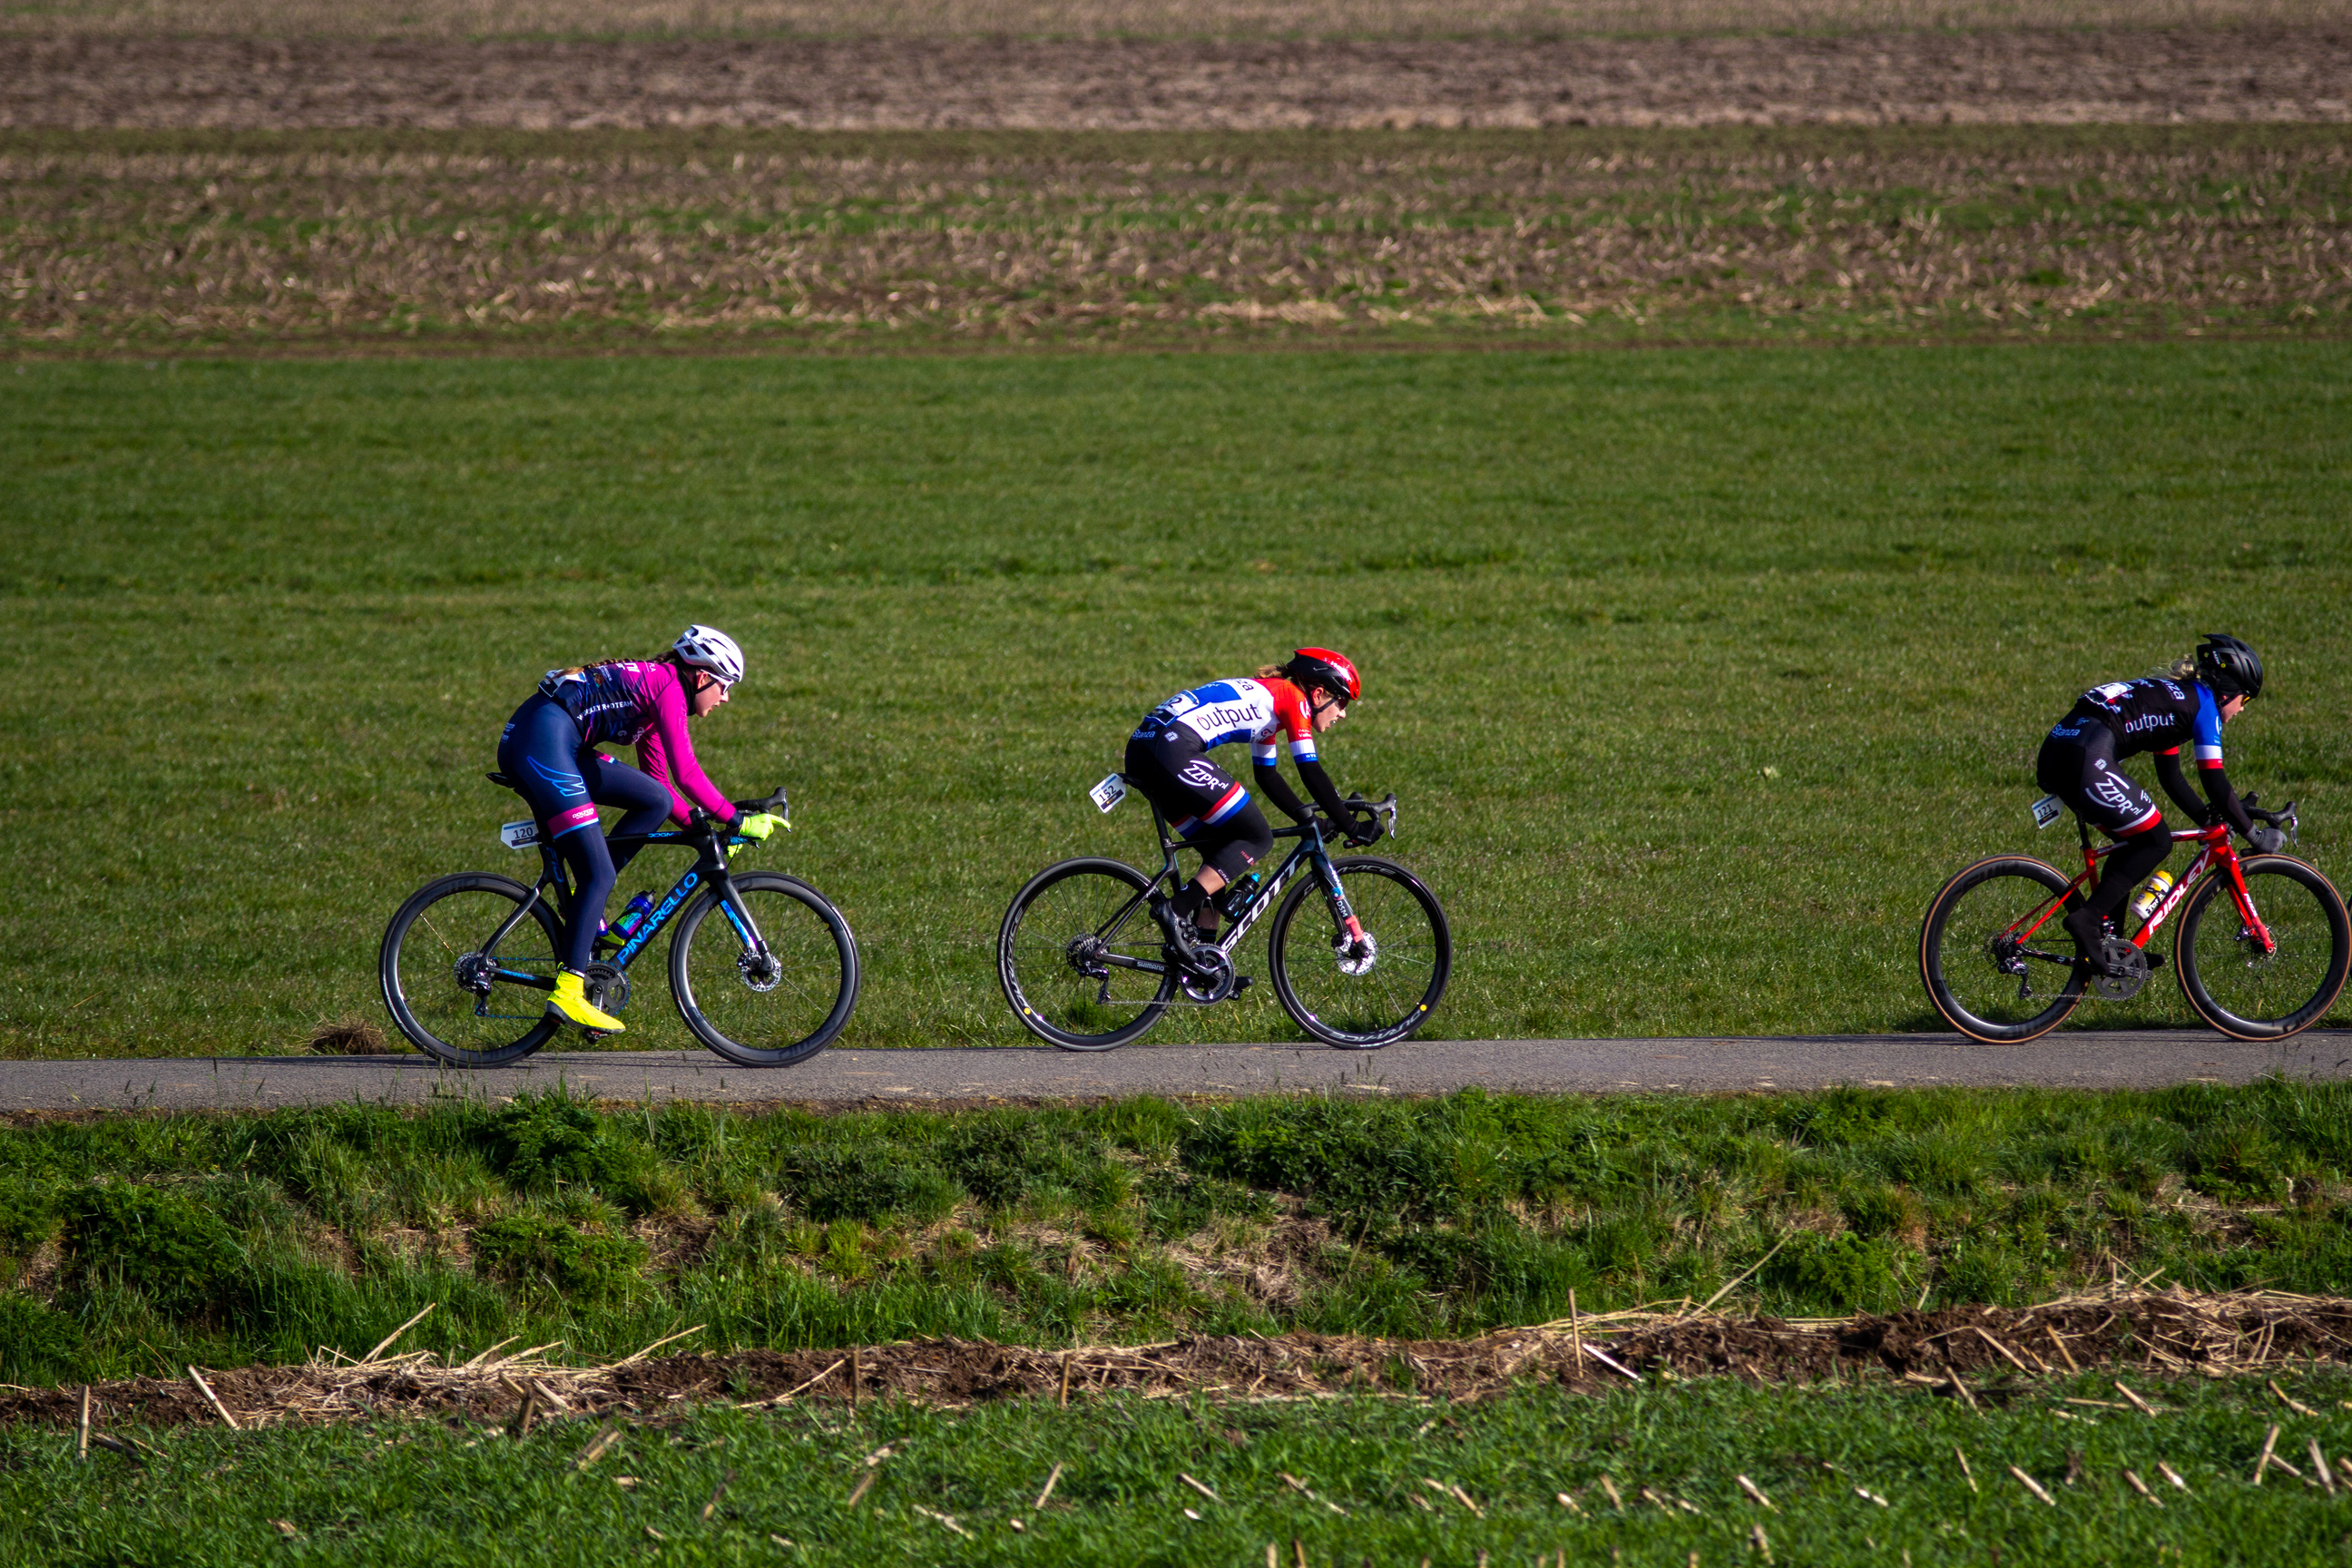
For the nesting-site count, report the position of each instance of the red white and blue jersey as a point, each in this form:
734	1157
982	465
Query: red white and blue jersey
1262	712
2153	714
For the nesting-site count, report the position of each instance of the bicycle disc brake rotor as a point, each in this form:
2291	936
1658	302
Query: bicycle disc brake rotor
606	987
1356	957
761	971
2117	953
1210	978
475	972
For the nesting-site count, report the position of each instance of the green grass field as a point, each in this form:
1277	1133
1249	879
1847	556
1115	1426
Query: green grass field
1696	672
133	1246
1854	1475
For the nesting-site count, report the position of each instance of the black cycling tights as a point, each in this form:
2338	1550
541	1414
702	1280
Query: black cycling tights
2135	856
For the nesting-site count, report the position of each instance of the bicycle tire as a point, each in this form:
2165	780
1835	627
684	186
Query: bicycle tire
420	973
804	1003
1040	965
1375	1015
1957	962
2222	980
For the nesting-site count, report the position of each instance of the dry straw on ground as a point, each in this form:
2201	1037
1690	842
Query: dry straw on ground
332	248
1974	1353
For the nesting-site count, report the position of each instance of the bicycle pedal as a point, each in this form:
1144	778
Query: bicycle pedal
1242	983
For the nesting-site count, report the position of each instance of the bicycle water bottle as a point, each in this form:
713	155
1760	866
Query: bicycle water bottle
1238	896
2152	895
633	915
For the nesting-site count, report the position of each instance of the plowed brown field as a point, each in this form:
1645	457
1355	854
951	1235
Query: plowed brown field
2014	77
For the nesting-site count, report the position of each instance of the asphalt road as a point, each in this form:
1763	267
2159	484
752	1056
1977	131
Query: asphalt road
2084	1059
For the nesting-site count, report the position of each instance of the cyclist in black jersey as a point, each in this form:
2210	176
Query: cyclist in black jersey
2186	705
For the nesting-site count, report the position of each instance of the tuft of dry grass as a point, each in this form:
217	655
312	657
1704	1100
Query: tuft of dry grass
1255	19
349	1037
1154	239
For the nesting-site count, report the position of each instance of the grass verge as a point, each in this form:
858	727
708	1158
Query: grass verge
1696	673
1851	1475
138	1244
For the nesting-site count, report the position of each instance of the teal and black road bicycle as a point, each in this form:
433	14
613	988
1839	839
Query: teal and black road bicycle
1360	950
469	960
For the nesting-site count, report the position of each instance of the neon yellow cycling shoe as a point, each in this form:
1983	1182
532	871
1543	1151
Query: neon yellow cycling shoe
571	1004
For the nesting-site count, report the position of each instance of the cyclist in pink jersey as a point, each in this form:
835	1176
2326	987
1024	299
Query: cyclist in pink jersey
1167	759
550	749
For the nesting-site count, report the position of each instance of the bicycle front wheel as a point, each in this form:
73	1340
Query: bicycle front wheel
775	992
1066	955
2244	991
1998	963
1361	996
445	982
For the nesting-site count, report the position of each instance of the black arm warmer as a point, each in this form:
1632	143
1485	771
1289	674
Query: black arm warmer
1326	794
2176	785
1277	788
2225	801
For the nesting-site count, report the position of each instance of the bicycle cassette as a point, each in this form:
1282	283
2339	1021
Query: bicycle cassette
2125	971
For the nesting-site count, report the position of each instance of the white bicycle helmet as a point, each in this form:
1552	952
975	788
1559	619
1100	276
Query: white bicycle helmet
708	648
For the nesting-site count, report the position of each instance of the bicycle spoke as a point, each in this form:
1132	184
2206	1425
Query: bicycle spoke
444	995
1066	956
1368	997
2245	991
774	992
1989	978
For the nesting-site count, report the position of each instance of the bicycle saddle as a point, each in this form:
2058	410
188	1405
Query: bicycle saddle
502	781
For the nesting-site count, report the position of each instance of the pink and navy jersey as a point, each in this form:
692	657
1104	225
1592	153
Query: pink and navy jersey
643	704
2154	714
1259	712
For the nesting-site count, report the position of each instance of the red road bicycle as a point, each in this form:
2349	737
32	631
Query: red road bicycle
2262	949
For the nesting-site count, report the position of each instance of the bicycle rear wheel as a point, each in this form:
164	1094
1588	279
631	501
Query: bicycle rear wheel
440	978
771	1008
1361	999
1055	952
1981	968
2250	995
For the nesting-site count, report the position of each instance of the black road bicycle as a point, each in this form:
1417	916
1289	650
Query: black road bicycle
468	960
1083	963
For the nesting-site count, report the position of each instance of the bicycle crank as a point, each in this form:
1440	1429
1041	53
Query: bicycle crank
1209	977
2125	970
606	987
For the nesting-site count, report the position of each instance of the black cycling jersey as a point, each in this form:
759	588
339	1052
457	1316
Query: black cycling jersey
2152	714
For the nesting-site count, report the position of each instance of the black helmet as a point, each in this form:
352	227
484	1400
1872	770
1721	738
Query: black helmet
2228	668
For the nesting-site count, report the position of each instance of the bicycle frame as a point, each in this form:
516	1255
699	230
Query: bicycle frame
710	869
2217	856
1311	852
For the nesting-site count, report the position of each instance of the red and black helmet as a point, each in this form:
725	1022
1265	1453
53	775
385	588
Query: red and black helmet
1334	672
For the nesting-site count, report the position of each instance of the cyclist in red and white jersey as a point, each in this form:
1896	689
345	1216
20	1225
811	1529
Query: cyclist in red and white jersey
1167	759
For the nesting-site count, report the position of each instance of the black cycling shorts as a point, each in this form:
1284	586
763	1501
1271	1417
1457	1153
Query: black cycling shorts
2082	774
1203	804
